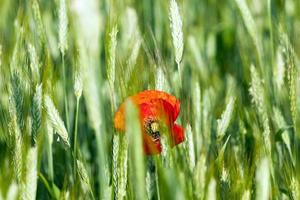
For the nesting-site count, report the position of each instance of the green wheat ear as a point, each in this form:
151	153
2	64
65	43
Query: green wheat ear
176	30
15	141
18	98
251	27
263	180
289	61
38	20
84	178
36	113
30	184
190	147
211	189
63	27
258	97
115	165
177	35
224	121
111	56
56	121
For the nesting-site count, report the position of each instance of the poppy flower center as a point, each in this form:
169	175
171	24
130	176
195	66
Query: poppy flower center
152	129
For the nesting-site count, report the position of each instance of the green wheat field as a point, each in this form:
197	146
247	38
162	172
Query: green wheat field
67	65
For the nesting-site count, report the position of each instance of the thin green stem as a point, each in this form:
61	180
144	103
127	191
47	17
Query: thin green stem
48	187
180	74
75	137
271	46
101	163
271	31
66	92
112	99
50	161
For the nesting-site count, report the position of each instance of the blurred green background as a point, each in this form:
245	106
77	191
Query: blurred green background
66	66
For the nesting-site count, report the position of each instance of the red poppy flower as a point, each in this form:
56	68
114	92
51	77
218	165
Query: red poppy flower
157	111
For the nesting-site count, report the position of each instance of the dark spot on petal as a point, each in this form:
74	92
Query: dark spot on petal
152	128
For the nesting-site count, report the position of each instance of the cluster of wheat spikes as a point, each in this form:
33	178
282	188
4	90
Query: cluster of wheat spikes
66	66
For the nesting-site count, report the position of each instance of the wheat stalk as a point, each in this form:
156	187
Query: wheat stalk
189	146
197	111
30	183
14	58
15	141
49	136
78	85
149	185
161	82
12	191
150	178
206	114
248	19
223	123
90	90
246	195
211	190
289	61
36	112
63	27
136	156
111	65
78	92
55	120
18	98
122	168
131	62
263	180
250	26
34	62
258	98
159	79
84	177
176	30
280	122
115	166
38	19
199	177
294	186
224	175
279	70
166	154
93	104
0	55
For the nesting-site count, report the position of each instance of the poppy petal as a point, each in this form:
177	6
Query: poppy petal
151	95
119	120
171	104
177	134
150	147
